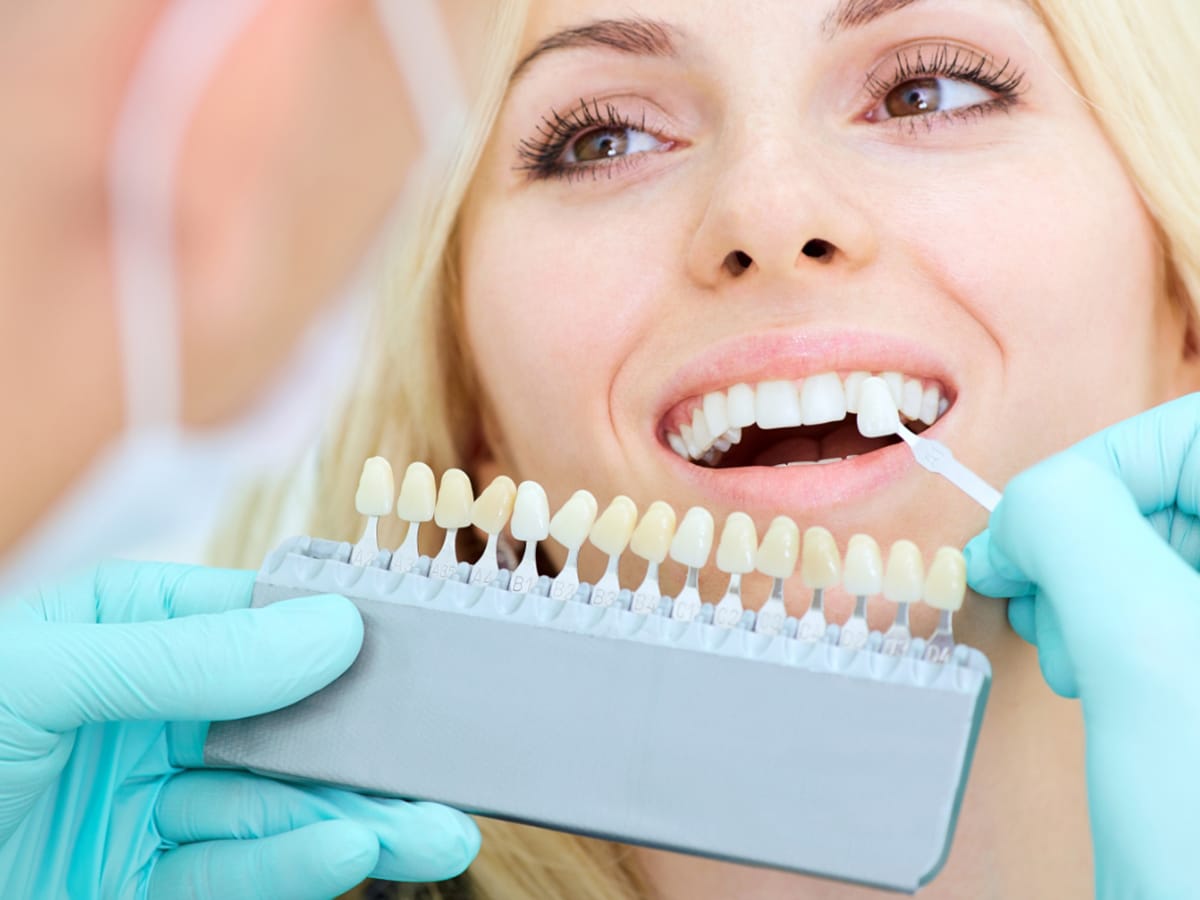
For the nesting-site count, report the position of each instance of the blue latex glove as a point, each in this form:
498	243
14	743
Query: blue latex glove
99	718
1098	547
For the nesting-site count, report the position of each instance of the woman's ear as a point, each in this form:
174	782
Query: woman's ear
1184	307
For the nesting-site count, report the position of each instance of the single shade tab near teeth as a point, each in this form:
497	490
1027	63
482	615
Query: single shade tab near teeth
531	524
820	570
418	497
610	535
945	588
376	490
777	556
652	542
490	513
453	511
570	527
691	547
862	576
737	555
903	584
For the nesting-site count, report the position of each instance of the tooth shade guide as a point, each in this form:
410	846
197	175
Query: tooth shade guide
418	494
374	497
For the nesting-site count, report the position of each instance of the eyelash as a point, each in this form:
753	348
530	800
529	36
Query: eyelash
541	156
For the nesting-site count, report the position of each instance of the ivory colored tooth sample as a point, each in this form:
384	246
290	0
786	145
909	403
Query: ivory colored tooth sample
863	569
571	524
737	552
820	563
531	513
652	537
614	528
904	578
780	548
946	583
492	508
454	501
693	539
877	413
418	494
376	488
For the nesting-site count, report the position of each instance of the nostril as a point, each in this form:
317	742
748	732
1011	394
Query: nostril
818	249
738	262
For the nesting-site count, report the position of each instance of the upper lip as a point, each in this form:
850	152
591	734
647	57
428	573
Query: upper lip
796	354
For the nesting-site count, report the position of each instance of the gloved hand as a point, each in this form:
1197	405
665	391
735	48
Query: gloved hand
1098	547
107	683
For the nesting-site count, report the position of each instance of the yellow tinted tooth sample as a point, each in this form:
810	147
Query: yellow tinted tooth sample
691	546
945	587
611	535
418	497
490	514
652	542
570	527
376	490
452	512
777	556
820	570
862	576
736	556
903	583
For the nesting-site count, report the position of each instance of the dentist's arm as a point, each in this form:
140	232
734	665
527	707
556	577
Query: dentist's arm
1099	547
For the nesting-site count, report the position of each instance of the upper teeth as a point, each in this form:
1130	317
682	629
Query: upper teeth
717	421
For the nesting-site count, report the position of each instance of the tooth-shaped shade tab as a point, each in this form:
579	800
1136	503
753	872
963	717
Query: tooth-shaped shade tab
863	573
652	538
418	494
904	579
493	507
820	564
694	538
571	524
376	488
946	584
877	413
614	528
780	548
531	513
454	500
738	550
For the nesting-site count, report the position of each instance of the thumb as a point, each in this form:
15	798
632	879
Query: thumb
202	667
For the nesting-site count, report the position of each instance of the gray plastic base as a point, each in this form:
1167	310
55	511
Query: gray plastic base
762	750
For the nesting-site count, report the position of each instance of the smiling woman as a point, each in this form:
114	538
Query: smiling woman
680	235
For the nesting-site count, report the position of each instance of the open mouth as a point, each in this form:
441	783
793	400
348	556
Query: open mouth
809	421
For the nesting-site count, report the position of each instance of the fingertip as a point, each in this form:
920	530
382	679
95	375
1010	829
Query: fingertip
349	850
330	617
1022	619
989	572
434	843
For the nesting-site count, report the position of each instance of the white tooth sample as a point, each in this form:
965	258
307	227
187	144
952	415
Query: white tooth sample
929	405
689	442
862	576
777	557
611	535
903	583
675	442
853	384
376	490
823	399
570	527
716	412
777	405
910	403
652	541
701	433
820	569
945	587
736	555
490	513
531	524
877	413
691	547
418	497
895	383
740	406
452	512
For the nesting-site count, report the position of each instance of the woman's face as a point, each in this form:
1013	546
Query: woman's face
680	197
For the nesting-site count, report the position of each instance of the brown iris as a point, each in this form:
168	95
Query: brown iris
603	144
913	98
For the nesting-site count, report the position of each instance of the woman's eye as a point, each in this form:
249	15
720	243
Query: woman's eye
921	96
609	143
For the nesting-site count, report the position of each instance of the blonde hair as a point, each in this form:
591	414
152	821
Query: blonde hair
415	399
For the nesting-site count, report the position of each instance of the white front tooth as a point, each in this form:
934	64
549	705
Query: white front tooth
895	383
853	384
823	399
716	413
701	433
929	405
689	442
676	443
777	405
740	406
910	401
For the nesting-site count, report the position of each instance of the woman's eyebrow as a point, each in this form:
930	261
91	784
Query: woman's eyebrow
642	37
850	14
